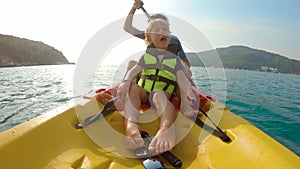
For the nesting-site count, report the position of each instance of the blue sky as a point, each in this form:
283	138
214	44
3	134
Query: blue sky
264	24
69	24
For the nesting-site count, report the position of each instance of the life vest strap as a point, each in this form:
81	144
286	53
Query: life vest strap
158	78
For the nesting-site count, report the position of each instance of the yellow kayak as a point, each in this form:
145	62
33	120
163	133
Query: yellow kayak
51	141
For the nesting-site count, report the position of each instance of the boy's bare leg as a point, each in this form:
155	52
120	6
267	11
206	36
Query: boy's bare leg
164	139
133	137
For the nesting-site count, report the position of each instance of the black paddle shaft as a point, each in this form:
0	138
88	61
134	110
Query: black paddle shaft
145	12
171	158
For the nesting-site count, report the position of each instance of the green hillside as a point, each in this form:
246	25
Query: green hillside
241	57
16	51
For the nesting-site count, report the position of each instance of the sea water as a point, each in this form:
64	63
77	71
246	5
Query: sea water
269	101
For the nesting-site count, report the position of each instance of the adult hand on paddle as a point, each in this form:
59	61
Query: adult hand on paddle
138	4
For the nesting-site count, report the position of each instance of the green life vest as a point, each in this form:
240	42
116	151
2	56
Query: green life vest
158	71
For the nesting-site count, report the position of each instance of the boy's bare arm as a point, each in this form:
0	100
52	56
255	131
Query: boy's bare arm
131	74
185	85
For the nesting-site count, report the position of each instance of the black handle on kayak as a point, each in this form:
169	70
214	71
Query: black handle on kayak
171	158
107	109
217	132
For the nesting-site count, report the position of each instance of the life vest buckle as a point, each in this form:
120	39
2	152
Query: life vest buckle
157	78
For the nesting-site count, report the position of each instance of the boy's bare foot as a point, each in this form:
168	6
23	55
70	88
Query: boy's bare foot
164	140
133	139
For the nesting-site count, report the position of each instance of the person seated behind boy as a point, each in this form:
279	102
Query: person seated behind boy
161	72
174	45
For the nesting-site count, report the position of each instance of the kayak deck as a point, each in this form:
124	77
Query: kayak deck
52	141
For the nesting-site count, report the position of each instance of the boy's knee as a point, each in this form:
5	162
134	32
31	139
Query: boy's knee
135	88
158	96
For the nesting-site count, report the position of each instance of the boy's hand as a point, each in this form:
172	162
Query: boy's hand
123	89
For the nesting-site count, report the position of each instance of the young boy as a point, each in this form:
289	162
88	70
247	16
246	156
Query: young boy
161	72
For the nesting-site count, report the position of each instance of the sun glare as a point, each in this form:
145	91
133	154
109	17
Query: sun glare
123	51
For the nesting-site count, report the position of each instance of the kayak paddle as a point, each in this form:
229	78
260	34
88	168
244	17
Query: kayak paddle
171	158
153	161
107	109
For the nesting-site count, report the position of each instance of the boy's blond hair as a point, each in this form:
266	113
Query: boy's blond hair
150	26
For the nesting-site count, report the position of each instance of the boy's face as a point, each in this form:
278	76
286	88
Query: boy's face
160	35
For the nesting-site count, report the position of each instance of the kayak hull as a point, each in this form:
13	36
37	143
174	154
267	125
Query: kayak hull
51	141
